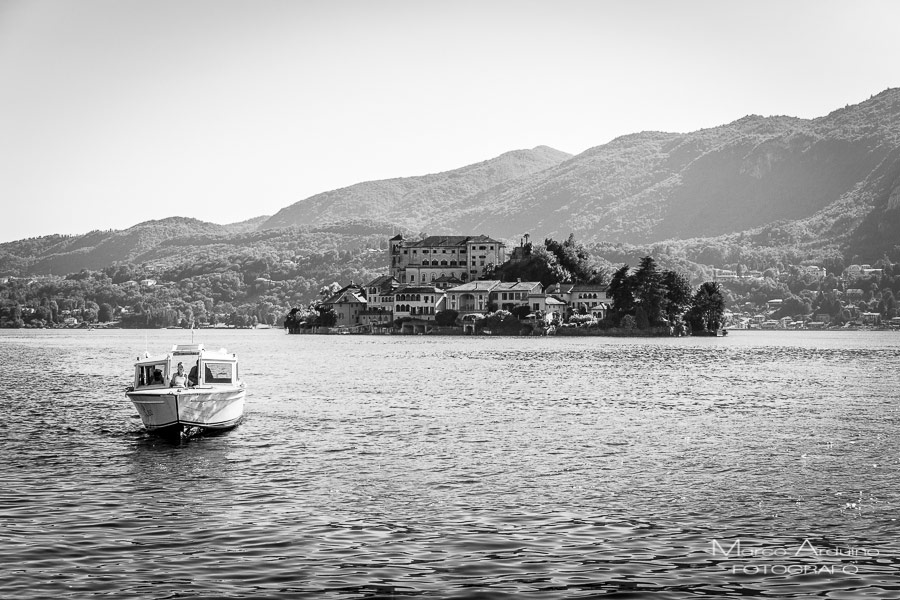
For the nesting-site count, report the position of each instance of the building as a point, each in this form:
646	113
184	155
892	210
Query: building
583	298
452	256
509	295
379	310
815	271
724	275
471	298
347	303
418	301
553	308
445	282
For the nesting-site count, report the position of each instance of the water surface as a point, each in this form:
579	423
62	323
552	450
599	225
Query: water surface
372	467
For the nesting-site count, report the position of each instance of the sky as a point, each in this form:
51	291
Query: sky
115	112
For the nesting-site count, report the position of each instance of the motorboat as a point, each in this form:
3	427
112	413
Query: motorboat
205	393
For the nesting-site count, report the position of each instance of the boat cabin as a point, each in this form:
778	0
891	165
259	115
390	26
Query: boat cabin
204	368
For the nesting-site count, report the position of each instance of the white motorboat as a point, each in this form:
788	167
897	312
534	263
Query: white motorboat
208	394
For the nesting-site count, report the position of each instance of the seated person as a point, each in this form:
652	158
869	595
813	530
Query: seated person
192	376
157	376
180	378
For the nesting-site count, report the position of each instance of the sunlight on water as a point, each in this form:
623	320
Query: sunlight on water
377	467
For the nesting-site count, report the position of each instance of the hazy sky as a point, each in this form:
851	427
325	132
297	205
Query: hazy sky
113	112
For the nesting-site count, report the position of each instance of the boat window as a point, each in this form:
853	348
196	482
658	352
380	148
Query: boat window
217	372
155	374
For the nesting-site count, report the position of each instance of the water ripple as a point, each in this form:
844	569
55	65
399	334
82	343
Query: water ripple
373	467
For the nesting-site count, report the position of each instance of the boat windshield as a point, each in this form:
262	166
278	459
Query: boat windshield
155	374
218	372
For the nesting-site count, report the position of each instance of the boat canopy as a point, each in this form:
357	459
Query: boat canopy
204	367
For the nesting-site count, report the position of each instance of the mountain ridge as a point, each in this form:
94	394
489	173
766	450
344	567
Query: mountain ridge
402	199
829	184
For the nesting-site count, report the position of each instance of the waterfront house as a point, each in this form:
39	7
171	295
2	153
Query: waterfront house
460	257
553	308
589	299
509	295
583	298
379	310
471	298
418	301
347	304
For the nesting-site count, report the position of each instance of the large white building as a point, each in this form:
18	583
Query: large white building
449	256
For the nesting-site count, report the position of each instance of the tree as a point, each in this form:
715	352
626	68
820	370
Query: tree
621	289
649	294
521	312
326	317
446	318
105	313
707	308
678	294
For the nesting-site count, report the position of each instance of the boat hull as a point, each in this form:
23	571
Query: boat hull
178	409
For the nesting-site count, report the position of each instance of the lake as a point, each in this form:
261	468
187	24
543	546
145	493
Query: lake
762	463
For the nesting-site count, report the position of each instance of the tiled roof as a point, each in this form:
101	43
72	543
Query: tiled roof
589	287
452	240
346	298
517	286
418	289
352	289
476	286
383	281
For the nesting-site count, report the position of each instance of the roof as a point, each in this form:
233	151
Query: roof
419	289
452	240
448	279
589	287
347	297
517	286
568	288
482	285
347	294
383	281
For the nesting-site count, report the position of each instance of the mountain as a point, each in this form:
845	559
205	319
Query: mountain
756	171
816	187
835	178
412	201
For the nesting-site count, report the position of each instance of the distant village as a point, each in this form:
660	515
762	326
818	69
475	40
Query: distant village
444	275
850	306
438	274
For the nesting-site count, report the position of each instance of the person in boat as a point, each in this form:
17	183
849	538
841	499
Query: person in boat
192	376
180	378
157	376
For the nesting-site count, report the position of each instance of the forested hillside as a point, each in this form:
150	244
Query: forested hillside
209	278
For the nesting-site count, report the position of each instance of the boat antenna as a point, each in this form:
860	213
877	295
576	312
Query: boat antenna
192	332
